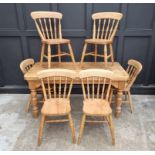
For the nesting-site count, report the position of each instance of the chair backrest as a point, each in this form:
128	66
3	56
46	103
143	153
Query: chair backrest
105	25
58	80
96	83
48	24
133	69
26	65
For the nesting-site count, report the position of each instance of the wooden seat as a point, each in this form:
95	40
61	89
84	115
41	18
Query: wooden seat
57	106
49	28
96	86
57	103
25	66
105	25
134	68
96	107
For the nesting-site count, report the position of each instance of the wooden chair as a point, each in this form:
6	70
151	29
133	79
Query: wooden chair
96	94
49	28
133	69
58	102
105	25
25	66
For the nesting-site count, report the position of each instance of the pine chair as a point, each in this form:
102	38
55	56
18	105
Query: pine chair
105	25
25	66
96	85
133	69
58	102
48	25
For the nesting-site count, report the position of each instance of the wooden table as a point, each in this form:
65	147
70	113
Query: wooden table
119	81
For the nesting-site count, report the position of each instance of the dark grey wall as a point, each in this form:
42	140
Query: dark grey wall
19	39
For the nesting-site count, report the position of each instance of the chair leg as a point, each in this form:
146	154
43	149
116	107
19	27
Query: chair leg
42	53
95	52
28	104
130	101
83	52
111	126
111	53
110	96
71	124
105	55
49	56
59	52
42	120
81	128
71	52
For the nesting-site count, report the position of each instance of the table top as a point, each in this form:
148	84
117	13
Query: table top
116	68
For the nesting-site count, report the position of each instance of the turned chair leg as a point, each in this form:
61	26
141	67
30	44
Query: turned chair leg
111	127
71	52
49	56
83	52
28	104
42	53
112	53
130	101
71	124
81	128
59	52
41	127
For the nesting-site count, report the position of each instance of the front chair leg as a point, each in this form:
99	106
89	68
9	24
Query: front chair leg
42	120
28	104
81	128
83	52
71	52
72	128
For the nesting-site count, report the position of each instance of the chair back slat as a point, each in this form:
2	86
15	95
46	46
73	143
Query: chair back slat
133	69
105	25
26	65
48	24
96	83
60	80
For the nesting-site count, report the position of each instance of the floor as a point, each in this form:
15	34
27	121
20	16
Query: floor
19	130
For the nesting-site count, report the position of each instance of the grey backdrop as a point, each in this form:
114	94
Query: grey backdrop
19	39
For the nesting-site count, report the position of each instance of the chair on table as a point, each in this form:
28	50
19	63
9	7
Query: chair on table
25	66
96	85
133	69
58	102
105	25
49	28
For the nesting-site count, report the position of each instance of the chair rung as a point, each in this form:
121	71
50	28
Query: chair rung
56	121
90	121
90	53
57	55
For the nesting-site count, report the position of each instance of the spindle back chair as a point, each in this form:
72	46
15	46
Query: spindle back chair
57	103
49	28
134	68
105	25
96	86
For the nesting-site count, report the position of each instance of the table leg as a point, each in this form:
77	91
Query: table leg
118	102
34	103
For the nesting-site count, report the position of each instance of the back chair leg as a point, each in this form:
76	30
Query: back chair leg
71	52
42	54
49	56
71	124
95	52
105	54
83	52
28	104
81	128
110	96
42	120
59	52
111	53
130	101
111	127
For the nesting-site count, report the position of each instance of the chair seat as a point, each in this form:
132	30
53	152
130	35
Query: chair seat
56	41
98	41
96	107
56	106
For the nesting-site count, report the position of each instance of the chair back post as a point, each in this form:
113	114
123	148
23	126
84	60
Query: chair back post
133	69
59	80
105	25
48	24
26	65
96	83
